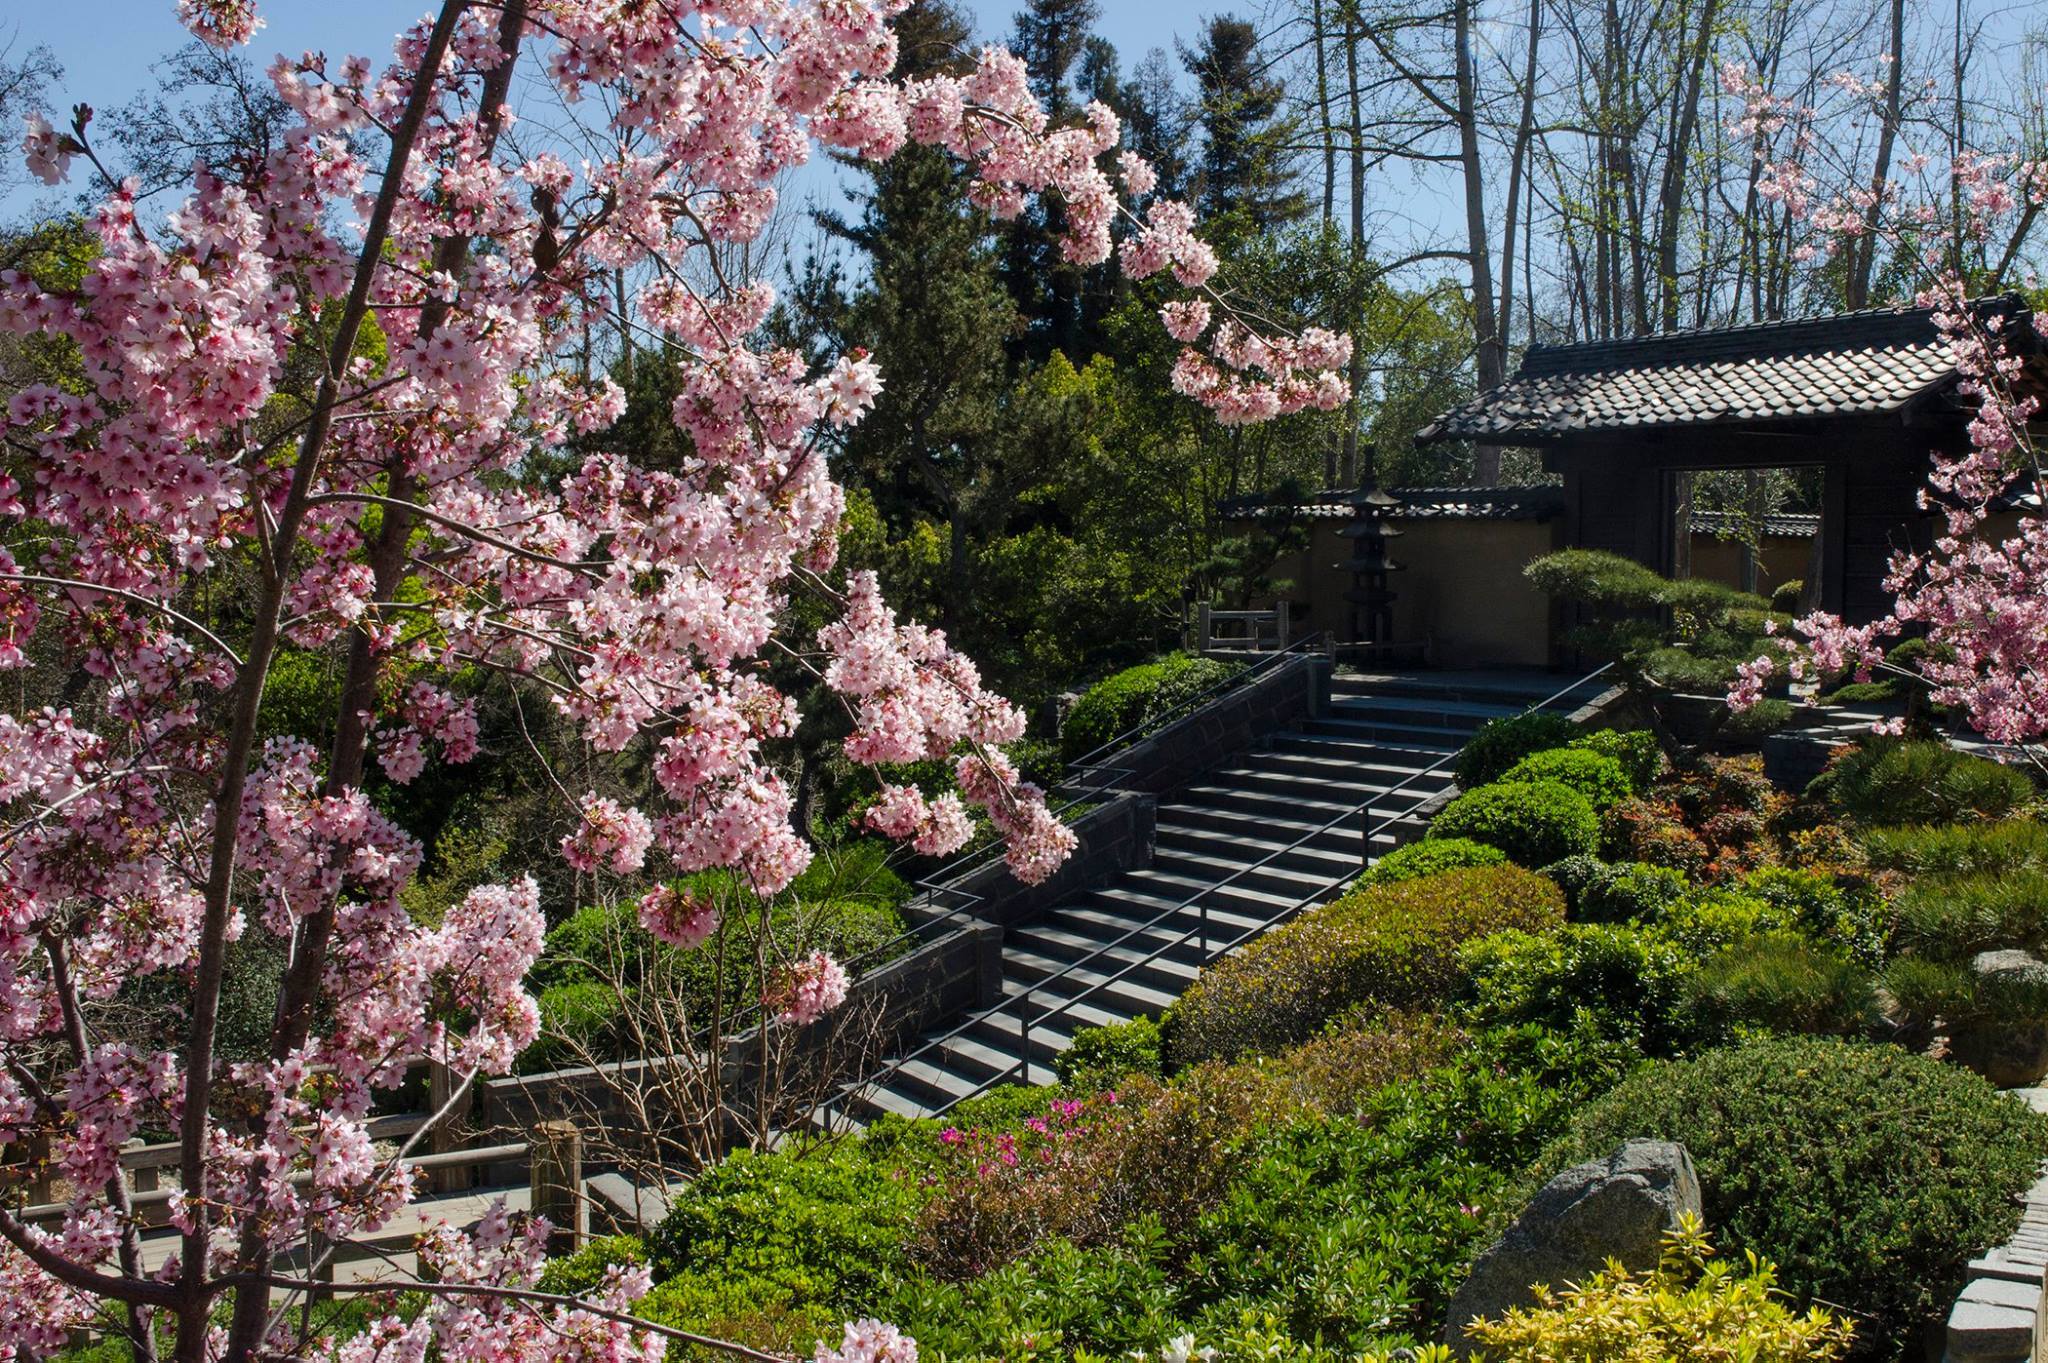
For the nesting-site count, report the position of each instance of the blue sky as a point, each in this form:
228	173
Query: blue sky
107	48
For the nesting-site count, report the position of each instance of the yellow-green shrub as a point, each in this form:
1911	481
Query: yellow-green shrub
1388	946
1685	1311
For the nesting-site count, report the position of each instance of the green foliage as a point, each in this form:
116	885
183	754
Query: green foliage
2003	847
1781	983
824	1228
1785	597
1629	891
1102	1055
1500	743
1687	1310
1432	856
1927	992
1894	781
1636	749
1708	920
575	1274
1951	918
1767	716
1622	982
1869	1174
1573	874
1534	822
1137	696
1594	775
1853	917
1392	946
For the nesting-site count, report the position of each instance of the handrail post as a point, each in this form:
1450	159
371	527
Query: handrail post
1202	627
1024	1039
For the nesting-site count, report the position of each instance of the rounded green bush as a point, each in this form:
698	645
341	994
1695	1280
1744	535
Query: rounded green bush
1890	781
1868	1174
1127	699
1630	891
1534	822
1594	775
1781	983
1708	920
1500	743
1573	875
1386	946
1626	981
1103	1055
1432	856
1637	750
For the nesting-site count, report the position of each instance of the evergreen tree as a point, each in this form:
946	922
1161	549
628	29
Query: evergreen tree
1246	178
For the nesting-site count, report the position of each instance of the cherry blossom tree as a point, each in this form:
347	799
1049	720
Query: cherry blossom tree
193	503
1980	599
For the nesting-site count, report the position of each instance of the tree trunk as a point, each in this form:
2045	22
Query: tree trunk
1671	198
1863	263
1490	357
1354	412
1525	127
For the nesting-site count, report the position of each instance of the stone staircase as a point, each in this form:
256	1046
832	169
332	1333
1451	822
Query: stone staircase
1247	845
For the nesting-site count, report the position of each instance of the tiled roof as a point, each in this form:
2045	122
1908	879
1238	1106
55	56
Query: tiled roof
1858	362
1532	502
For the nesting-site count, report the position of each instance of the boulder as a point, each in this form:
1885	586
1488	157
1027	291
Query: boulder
1613	1208
2010	1052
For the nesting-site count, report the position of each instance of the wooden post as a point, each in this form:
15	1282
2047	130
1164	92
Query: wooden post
1202	627
556	1171
1280	625
317	1246
449	1134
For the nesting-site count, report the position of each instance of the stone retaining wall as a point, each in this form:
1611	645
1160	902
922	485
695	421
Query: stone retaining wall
1999	1316
1114	837
1291	692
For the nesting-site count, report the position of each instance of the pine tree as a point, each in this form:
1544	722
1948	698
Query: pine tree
1246	177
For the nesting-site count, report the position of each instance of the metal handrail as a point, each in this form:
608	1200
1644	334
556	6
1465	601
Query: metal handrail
1028	1024
945	881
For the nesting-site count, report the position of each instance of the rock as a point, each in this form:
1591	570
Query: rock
1613	1208
2010	1052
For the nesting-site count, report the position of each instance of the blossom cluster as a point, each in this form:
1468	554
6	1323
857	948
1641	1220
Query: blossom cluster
232	435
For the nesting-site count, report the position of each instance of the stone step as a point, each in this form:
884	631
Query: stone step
1436	711
1238	848
1341	839
1099	987
1038	958
1434	736
1384	770
1274	877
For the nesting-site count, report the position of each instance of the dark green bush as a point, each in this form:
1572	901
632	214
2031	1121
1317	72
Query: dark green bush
1626	982
1432	856
1534	822
1868	1174
1891	781
574	1274
1573	875
1629	891
1781	983
1767	716
1594	775
1785	596
1392	946
1102	1055
1637	750
1953	918
1135	696
1691	673
2001	848
1500	743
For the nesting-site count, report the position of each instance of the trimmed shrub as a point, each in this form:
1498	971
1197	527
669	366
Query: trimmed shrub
1573	875
1705	922
1785	596
1854	918
1105	1054
1626	982
1765	717
1653	831
1781	983
1953	918
1431	856
1135	696
1534	822
1389	946
1870	1175
1630	891
1685	1311
1961	849
1890	781
573	1275
1594	775
1637	750
1500	743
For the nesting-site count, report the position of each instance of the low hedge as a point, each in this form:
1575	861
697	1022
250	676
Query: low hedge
1534	822
1136	695
1389	946
1868	1174
1625	982
1781	983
